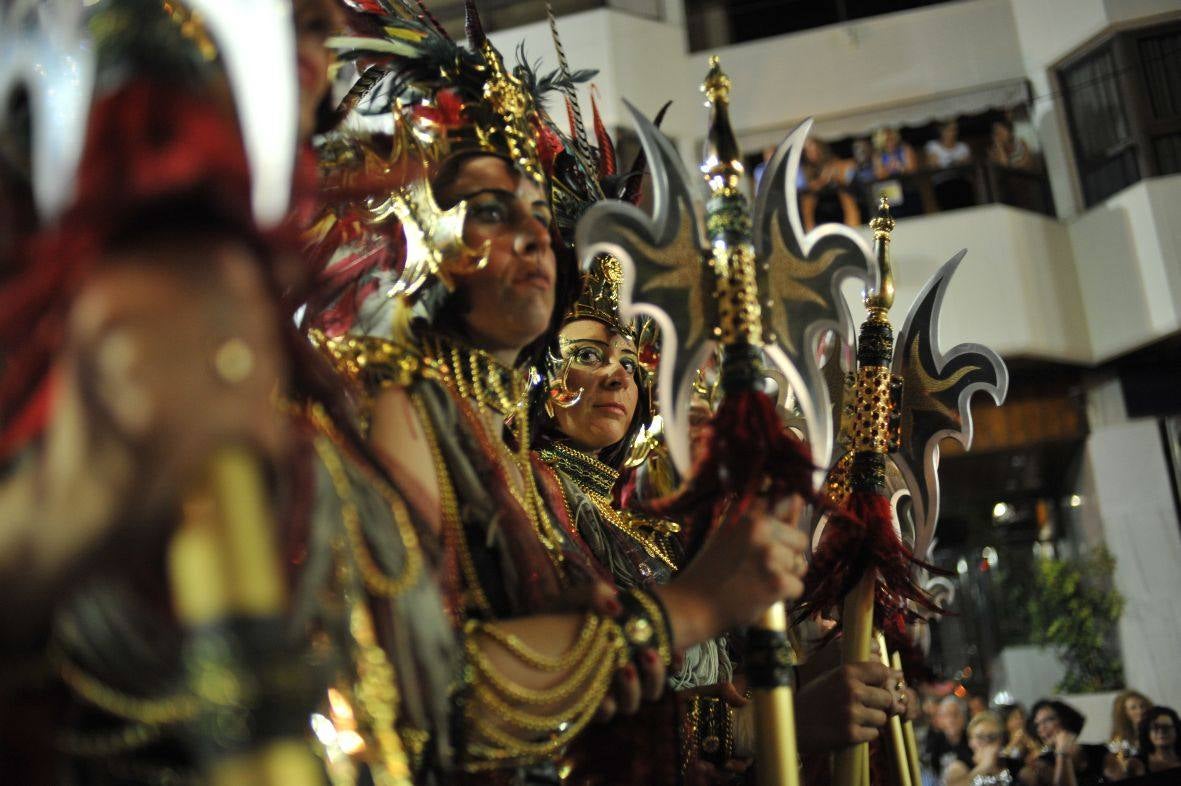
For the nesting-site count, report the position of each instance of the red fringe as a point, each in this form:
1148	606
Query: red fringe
857	540
750	453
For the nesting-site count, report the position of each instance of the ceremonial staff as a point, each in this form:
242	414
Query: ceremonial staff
726	283
906	397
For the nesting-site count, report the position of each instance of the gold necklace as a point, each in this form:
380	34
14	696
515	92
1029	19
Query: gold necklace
596	480
475	375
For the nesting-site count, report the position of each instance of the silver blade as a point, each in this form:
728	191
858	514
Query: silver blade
800	284
256	41
664	276
937	389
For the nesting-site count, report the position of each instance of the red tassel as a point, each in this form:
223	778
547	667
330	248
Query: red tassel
859	539
750	453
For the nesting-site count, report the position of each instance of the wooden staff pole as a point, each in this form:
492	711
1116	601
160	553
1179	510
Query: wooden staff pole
778	762
897	741
851	765
222	562
912	747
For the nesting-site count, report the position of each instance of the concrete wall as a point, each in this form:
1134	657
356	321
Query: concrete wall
1016	290
1127	253
1127	499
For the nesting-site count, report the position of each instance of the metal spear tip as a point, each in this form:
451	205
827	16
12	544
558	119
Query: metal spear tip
883	222
717	84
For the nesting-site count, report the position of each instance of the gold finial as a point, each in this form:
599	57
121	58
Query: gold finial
717	84
880	301
723	162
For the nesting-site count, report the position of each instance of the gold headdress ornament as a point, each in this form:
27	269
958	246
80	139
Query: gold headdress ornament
444	100
600	297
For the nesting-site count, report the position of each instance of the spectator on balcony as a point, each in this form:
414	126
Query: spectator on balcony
948	149
862	176
1006	149
1158	742
893	156
892	160
824	186
952	189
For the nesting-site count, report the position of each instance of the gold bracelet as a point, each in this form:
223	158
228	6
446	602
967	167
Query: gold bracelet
657	622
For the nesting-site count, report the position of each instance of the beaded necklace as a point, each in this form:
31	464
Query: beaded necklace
596	480
472	374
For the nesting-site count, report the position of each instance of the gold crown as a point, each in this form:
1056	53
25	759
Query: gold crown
599	299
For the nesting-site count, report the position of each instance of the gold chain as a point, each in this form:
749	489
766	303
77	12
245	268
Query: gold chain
538	660
375	578
476	375
598	655
449	511
146	712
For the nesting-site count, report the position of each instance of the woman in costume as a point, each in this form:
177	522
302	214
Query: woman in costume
445	354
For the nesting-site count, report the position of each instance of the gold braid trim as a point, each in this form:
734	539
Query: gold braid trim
596	480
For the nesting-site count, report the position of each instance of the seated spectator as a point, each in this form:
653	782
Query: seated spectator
948	150
947	741
861	176
1019	744
824	181
1126	713
985	736
952	189
1065	761
893	156
1006	149
1158	742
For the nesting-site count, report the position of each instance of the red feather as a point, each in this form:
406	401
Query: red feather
860	540
607	164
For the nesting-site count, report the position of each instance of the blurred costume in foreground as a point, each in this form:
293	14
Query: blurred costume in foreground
152	370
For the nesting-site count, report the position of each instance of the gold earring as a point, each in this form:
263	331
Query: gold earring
560	393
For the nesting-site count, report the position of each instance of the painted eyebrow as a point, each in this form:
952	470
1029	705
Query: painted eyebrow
603	344
494	191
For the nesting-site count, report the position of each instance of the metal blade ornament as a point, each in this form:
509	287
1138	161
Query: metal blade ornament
663	275
45	48
936	393
802	290
256	42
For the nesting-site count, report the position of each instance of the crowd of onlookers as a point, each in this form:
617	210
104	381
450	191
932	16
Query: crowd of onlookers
845	189
966	744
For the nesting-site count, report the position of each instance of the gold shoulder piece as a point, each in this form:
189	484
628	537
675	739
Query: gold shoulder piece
373	363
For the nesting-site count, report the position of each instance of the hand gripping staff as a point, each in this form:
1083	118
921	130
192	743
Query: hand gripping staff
906	397
729	282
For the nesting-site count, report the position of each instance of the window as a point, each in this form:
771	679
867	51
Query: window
714	23
1123	105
